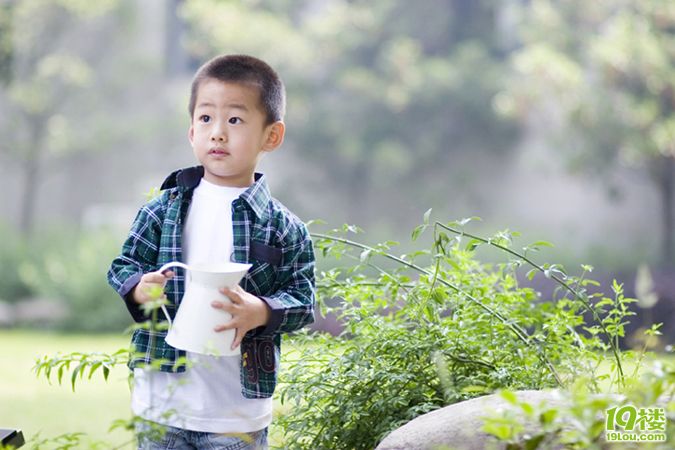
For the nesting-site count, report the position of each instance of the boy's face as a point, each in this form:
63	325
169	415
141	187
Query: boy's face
228	132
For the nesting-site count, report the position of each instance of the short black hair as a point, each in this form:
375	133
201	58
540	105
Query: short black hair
247	70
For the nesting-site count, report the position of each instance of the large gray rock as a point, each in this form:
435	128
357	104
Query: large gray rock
458	426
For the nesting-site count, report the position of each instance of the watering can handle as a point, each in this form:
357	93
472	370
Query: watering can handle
163	269
167	266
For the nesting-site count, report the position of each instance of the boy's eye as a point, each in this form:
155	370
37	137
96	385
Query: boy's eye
234	120
205	118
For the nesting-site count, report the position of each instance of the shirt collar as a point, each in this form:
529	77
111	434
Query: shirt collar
257	196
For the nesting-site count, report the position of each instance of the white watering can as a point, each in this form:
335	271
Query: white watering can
193	326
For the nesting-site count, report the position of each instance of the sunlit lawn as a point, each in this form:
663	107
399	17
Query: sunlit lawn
42	410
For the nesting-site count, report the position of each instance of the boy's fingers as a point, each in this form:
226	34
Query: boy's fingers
232	294
154	277
225	306
237	339
168	274
225	326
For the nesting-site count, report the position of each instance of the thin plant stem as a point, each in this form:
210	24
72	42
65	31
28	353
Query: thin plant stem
519	332
558	280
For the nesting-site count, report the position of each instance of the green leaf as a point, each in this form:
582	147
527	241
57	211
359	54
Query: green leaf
542	244
548	416
527	408
473	389
38	369
427	215
466	220
429	312
152	193
94	366
352	229
419	229
533	442
315	222
499	430
509	397
438	295
73	377
473	244
597	429
531	274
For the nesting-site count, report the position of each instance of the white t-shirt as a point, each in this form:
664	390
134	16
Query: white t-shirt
207	396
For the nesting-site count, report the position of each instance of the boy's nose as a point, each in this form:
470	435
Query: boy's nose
218	134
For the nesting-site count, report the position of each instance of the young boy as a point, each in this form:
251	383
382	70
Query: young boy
219	211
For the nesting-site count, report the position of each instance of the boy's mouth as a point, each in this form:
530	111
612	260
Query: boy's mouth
218	152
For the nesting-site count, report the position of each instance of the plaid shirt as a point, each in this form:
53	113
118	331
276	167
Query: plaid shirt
266	235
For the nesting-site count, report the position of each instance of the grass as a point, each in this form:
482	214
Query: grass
43	410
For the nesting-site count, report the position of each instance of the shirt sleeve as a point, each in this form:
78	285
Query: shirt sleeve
292	305
139	255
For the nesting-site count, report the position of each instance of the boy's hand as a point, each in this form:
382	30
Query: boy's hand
248	312
149	282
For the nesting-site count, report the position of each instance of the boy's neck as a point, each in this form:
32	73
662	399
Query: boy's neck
234	182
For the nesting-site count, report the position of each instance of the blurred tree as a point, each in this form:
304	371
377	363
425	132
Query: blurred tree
382	93
6	10
602	75
47	48
176	59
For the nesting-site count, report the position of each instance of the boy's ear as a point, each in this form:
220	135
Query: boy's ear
275	136
191	134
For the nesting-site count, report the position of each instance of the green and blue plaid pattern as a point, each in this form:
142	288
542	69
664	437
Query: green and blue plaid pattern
265	234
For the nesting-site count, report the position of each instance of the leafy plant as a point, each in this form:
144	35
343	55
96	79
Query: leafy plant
88	364
434	327
82	362
580	422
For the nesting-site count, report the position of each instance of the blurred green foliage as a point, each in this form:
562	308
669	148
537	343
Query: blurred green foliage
43	69
13	254
391	95
599	77
67	267
70	80
385	97
72	268
382	93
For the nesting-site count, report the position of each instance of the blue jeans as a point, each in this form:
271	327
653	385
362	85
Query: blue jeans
170	438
